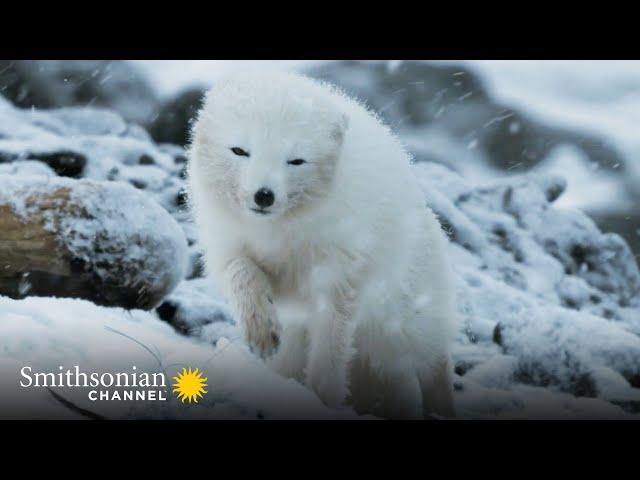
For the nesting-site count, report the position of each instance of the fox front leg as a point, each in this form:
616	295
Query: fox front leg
251	300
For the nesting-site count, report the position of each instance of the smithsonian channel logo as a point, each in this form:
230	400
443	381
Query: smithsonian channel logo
188	385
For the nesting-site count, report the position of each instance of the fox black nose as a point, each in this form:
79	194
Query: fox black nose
264	198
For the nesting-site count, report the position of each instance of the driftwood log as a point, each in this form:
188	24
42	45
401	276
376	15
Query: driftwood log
100	241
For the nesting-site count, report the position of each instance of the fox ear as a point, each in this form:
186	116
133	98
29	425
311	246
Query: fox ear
340	127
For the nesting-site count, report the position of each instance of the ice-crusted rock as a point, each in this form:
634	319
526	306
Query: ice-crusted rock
96	240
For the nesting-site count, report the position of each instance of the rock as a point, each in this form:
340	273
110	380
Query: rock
196	265
603	260
195	309
7	157
64	163
174	117
139	184
446	114
100	241
90	143
546	298
452	99
182	198
624	222
146	159
58	83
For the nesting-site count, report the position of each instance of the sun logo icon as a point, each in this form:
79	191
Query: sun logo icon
190	385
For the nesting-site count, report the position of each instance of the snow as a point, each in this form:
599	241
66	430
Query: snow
45	333
522	352
549	305
112	148
603	187
201	311
26	167
532	317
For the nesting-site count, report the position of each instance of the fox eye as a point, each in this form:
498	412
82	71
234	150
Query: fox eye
297	161
240	152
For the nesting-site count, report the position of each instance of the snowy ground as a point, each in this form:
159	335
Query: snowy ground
549	305
45	333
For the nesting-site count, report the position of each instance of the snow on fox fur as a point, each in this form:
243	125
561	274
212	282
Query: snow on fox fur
318	235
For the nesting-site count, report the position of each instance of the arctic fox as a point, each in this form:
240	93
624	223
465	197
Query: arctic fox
317	233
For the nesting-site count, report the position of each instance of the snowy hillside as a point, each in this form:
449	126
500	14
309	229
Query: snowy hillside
549	305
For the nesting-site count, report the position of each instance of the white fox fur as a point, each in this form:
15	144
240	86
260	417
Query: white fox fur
343	282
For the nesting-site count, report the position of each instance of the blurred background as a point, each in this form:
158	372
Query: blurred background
485	119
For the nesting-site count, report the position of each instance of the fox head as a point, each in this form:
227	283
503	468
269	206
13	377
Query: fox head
267	145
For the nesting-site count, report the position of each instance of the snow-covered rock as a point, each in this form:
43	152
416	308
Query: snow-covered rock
546	301
102	241
91	143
